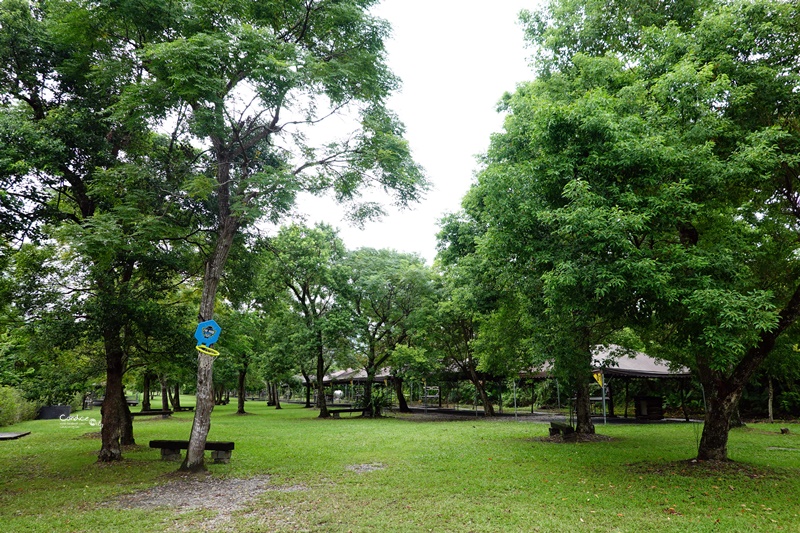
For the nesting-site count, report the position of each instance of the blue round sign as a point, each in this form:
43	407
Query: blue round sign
207	332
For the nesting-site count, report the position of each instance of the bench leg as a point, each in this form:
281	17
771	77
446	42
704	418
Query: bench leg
221	456
335	414
168	454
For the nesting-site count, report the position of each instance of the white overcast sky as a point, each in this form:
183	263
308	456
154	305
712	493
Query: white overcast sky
456	58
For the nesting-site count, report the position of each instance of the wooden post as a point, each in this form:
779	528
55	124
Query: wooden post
627	381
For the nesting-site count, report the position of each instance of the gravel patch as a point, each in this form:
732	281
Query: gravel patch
369	467
193	492
221	496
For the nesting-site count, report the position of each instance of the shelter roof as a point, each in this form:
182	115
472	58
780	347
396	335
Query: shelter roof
341	377
614	360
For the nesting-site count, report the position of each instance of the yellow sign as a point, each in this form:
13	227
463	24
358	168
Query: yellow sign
598	377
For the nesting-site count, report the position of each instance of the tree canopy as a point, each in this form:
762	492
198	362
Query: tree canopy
647	178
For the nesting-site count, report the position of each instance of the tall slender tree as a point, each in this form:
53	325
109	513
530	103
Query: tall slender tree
244	78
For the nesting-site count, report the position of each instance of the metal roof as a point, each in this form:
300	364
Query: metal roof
614	360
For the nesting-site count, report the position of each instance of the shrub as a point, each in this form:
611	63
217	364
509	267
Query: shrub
381	399
789	402
14	408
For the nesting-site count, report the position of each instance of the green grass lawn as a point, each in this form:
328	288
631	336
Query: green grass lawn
399	475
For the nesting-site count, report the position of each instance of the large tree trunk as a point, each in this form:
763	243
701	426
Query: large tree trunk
736	418
146	391
583	416
724	391
114	401
164	393
370	409
770	400
401	399
241	392
126	423
720	407
308	392
202	415
205	363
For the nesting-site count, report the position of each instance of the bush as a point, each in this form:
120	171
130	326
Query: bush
381	399
14	408
789	402
77	402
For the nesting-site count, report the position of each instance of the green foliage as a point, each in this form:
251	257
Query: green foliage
544	393
299	61
379	399
789	401
413	363
14	408
300	275
647	179
385	294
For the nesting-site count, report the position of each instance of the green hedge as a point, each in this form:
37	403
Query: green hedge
14	408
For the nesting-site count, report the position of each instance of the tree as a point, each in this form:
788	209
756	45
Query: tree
240	76
242	329
306	262
73	161
478	323
453	326
648	178
286	341
384	291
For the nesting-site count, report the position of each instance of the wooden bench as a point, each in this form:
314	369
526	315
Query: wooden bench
171	449
336	412
98	402
163	414
566	431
